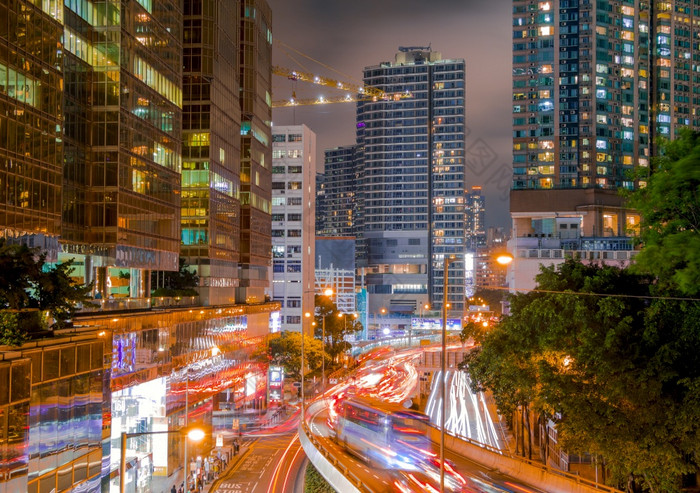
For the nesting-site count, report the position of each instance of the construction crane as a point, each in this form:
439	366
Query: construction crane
355	92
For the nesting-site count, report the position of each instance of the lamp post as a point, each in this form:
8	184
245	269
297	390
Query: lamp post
194	434
425	306
505	259
448	261
328	293
307	315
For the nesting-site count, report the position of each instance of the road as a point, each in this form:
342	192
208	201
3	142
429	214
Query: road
274	462
381	480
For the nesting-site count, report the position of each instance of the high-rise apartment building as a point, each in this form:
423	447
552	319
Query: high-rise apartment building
255	75
293	222
413	187
341	167
586	76
211	210
31	123
476	217
321	211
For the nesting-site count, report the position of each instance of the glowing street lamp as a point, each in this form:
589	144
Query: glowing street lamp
193	434
504	258
328	293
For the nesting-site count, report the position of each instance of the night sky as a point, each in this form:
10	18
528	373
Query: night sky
351	35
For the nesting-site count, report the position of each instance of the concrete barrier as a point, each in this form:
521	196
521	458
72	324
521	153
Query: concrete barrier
533	473
333	471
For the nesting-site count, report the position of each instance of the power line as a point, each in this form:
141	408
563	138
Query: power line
612	295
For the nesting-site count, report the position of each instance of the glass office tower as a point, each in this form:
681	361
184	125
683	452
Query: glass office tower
123	106
413	193
31	123
211	147
255	74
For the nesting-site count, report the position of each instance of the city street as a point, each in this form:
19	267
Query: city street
273	462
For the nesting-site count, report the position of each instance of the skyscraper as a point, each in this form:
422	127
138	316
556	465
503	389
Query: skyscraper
293	221
413	188
476	216
31	123
580	93
341	166
255	74
594	84
123	109
211	209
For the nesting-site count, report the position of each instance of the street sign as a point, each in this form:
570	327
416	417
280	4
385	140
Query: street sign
219	440
235	424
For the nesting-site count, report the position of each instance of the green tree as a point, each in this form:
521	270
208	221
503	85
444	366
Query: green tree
56	292
180	283
338	326
20	266
619	374
669	206
285	351
28	282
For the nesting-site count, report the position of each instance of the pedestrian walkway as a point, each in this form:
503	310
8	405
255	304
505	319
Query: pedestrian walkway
163	484
273	417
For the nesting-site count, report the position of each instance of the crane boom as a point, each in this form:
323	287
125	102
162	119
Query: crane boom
348	98
326	81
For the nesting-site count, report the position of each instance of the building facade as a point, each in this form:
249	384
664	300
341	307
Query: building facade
293	222
255	76
211	209
583	119
31	123
476	220
123	110
104	159
412	199
341	168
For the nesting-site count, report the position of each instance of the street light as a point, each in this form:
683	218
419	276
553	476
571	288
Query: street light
328	293
448	261
307	315
194	434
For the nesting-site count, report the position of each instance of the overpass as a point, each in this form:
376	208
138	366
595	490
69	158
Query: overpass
347	474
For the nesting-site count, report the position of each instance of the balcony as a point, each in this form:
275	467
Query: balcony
585	243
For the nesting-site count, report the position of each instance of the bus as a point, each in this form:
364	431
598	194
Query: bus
383	434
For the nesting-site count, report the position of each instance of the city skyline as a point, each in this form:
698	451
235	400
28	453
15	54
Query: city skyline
352	38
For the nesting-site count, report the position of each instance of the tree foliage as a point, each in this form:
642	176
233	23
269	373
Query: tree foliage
338	328
285	351
180	283
669	206
28	282
619	374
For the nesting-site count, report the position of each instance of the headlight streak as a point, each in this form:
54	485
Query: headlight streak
467	414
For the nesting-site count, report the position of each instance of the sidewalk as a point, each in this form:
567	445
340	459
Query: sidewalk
272	417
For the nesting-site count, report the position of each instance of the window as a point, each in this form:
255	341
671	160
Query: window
293	268
294	138
278	137
294	233
294	201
